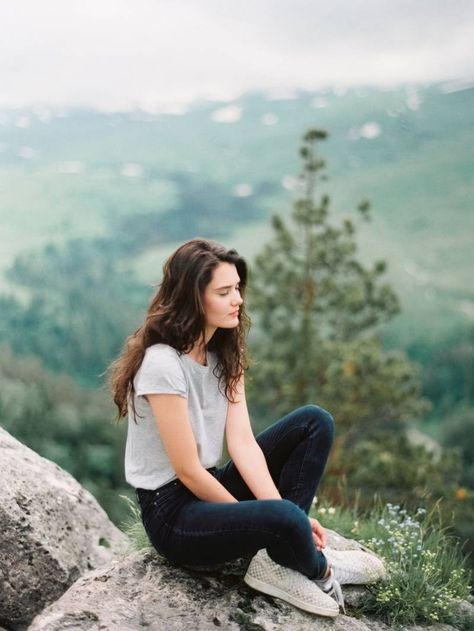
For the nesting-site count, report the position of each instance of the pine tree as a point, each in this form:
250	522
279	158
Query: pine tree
318	312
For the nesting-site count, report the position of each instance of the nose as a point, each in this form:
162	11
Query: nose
237	299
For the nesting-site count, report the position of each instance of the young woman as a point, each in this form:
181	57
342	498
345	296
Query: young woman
180	379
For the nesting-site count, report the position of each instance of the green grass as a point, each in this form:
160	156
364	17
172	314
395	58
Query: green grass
427	572
132	526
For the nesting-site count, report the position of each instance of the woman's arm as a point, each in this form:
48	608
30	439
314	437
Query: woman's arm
250	460
245	451
171	415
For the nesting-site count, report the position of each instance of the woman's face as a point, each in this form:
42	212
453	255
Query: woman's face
222	298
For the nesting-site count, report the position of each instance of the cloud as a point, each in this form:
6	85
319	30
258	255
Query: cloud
117	54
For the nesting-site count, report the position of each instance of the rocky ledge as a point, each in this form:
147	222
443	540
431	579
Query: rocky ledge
144	591
51	531
64	565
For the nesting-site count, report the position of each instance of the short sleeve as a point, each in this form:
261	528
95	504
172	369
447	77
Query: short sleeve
161	372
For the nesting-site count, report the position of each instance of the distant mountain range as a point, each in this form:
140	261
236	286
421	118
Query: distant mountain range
221	169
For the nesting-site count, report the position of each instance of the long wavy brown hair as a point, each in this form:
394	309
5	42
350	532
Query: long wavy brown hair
176	317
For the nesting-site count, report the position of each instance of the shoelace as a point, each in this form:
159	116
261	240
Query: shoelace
331	587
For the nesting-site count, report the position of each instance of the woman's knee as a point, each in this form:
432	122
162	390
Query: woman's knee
288	518
321	420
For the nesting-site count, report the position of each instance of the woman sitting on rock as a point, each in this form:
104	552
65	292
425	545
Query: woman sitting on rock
180	379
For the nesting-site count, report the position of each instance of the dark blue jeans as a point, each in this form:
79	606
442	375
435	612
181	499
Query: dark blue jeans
191	532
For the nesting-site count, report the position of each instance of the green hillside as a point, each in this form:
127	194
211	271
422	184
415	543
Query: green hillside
150	181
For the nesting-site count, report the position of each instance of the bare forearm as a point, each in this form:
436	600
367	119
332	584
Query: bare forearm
205	486
252	466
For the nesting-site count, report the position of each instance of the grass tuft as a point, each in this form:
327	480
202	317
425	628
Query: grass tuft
427	571
133	527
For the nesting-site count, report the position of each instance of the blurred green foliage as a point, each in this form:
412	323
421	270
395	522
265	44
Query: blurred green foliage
81	300
65	423
448	376
319	312
459	434
318	309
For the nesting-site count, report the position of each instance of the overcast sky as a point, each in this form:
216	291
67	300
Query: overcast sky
117	54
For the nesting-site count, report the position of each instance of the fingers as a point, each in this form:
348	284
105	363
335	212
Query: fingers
317	541
324	538
320	531
319	534
320	538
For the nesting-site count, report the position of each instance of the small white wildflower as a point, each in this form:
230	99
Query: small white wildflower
331	510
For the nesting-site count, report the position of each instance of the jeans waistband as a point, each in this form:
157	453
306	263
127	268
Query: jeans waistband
175	482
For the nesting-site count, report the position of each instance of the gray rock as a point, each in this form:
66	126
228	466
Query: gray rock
434	627
379	626
465	612
52	531
144	590
375	625
338	542
55	533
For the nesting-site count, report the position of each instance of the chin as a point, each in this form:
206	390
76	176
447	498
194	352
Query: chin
228	325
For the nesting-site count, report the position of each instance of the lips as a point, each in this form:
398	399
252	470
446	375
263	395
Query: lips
235	313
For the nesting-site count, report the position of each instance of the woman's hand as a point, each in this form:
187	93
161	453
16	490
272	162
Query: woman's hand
319	534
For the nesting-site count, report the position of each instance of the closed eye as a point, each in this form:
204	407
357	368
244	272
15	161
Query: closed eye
225	293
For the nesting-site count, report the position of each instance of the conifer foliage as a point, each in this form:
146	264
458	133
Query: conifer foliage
318	312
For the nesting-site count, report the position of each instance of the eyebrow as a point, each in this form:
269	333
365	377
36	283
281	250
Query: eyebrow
226	286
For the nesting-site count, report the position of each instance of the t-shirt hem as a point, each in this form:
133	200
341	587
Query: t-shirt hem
147	391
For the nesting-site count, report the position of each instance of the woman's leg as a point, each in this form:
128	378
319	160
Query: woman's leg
209	533
296	449
206	533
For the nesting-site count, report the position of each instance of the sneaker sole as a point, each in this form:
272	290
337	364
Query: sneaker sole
271	590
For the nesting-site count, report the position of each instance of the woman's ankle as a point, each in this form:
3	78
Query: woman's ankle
326	575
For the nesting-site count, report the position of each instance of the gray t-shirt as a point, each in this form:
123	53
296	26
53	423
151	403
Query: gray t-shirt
164	371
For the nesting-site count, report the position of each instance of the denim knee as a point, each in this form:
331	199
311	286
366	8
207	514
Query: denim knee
321	420
291	518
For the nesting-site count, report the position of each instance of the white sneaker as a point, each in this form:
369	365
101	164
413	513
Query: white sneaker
269	577
355	567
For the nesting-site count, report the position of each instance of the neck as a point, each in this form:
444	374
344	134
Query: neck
209	333
199	356
198	351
